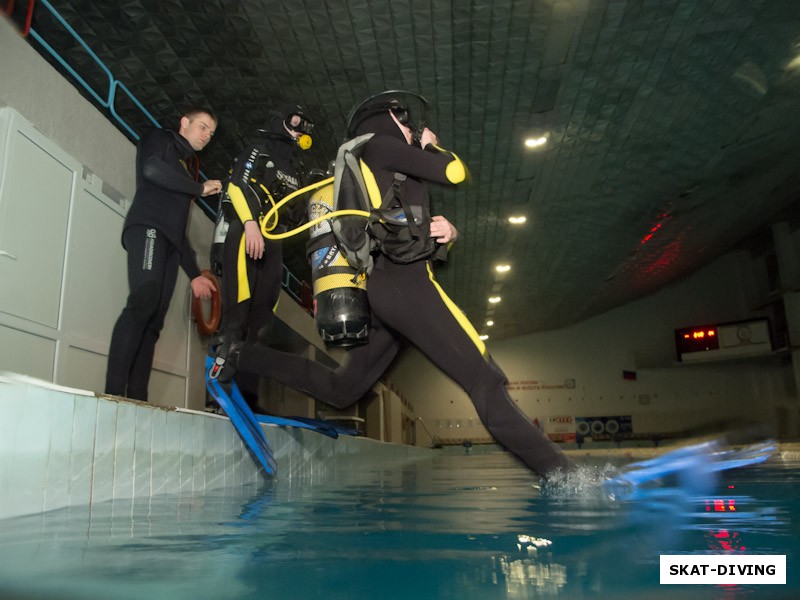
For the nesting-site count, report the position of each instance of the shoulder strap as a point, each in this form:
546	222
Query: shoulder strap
350	192
347	159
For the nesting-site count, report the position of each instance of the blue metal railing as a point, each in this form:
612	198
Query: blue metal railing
112	96
32	33
296	288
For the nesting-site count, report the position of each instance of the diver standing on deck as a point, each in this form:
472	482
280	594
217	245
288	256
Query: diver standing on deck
262	175
407	302
154	236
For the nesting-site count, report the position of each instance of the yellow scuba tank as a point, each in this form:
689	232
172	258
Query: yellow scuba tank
341	309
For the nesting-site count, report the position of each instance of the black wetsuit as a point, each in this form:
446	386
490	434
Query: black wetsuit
263	174
407	302
154	236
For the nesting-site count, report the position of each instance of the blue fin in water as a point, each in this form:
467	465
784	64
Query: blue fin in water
242	418
694	463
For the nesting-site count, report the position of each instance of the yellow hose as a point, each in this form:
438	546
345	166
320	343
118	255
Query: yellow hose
273	213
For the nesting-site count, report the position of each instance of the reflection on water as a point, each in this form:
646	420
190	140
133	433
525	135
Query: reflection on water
458	526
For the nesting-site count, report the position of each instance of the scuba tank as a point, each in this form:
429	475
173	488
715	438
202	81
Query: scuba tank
341	308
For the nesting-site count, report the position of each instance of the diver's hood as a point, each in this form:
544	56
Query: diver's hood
276	138
382	124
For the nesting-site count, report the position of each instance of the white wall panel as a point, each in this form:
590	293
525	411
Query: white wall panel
167	389
81	369
96	279
34	205
26	353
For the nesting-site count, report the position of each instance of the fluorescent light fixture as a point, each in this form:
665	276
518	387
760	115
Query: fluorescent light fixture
495	299
489	323
517	219
484	337
536	142
502	268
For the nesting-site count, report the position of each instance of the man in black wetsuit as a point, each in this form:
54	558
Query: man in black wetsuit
262	175
154	236
407	302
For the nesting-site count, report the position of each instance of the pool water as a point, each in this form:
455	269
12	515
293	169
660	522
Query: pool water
461	526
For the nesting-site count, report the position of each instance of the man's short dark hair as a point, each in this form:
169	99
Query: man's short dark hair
192	111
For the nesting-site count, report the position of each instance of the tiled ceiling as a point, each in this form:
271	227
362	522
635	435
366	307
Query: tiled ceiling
672	125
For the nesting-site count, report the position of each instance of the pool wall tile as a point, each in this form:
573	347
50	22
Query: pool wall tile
124	449
57	490
62	448
172	465
104	451
10	410
81	470
159	453
27	466
143	453
213	462
186	451
197	432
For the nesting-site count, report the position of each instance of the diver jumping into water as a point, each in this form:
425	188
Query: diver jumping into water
408	304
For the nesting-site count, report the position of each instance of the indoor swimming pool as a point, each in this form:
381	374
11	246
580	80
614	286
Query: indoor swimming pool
459	525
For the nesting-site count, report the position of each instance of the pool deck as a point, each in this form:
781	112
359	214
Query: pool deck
64	447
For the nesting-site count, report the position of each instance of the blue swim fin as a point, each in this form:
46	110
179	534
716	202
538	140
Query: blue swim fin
243	419
339	429
697	460
299	422
320	427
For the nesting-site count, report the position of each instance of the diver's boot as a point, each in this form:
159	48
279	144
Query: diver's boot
224	367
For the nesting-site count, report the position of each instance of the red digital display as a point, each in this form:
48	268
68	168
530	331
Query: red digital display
696	339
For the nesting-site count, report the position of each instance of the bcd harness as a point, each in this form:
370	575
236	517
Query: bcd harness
362	222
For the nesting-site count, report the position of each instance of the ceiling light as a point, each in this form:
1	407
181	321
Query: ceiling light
495	299
484	337
489	323
502	268
517	219
536	142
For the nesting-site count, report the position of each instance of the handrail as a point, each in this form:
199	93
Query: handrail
112	96
70	70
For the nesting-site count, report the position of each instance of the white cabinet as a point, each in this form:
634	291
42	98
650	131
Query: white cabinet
36	185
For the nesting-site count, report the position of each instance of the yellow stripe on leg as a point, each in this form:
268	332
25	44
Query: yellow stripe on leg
241	273
458	314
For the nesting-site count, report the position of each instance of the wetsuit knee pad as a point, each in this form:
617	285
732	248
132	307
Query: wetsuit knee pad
143	301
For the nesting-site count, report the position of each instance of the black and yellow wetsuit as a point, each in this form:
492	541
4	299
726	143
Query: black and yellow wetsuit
407	303
261	176
154	236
